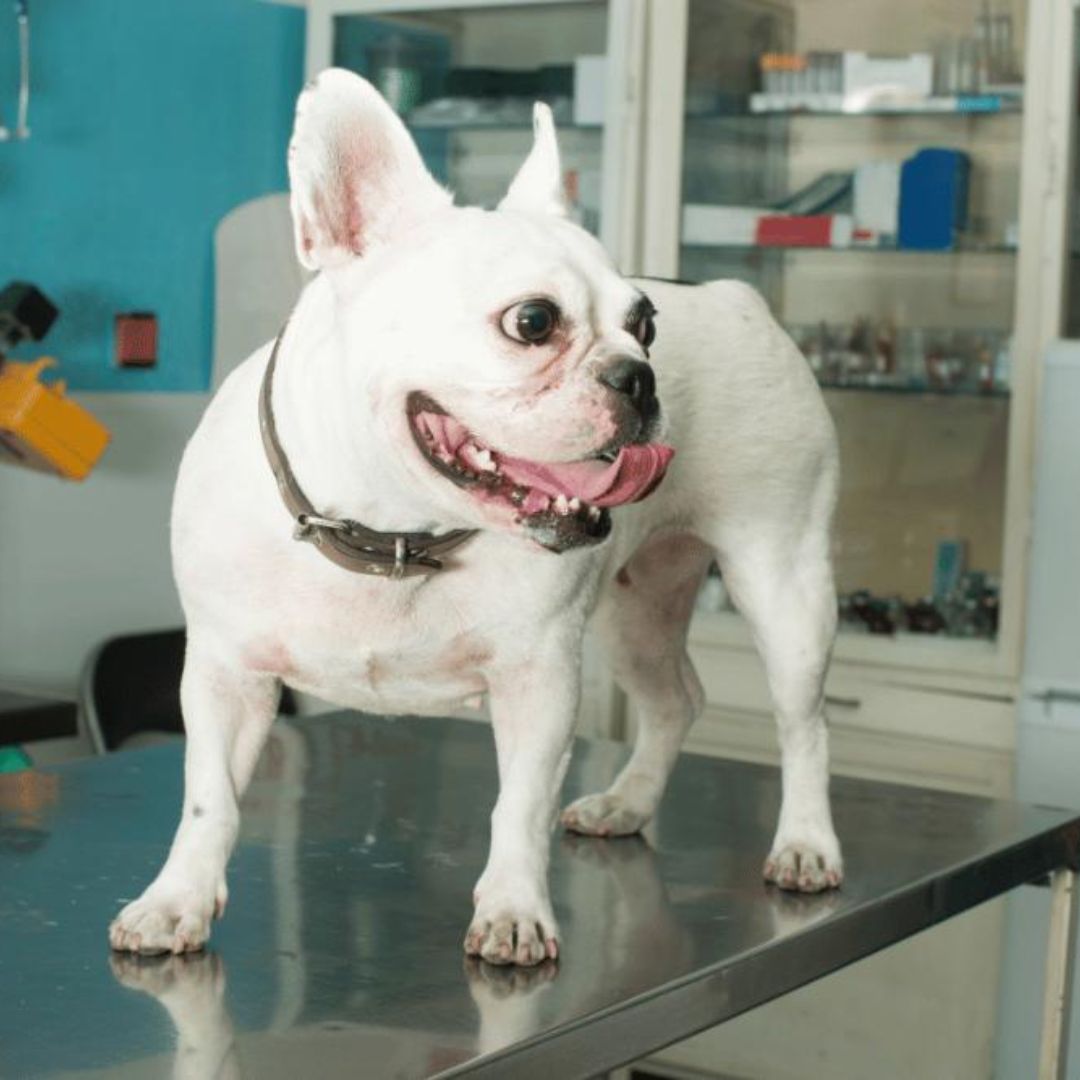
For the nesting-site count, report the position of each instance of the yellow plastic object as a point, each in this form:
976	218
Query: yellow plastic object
41	428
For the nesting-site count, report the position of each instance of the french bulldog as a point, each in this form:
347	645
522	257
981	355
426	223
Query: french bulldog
486	380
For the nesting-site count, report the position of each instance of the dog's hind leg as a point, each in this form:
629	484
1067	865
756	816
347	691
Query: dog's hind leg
784	589
642	621
227	715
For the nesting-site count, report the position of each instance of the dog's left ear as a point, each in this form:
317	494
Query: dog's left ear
355	173
538	186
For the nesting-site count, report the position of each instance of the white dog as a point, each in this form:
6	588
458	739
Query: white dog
481	376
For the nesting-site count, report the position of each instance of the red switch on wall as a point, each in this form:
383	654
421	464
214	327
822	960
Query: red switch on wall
136	339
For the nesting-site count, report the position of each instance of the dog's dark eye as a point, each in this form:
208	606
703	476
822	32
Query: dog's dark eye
531	322
644	330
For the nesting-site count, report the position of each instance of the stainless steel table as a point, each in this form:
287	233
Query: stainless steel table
340	954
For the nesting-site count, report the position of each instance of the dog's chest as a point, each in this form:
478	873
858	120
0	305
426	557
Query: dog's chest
358	648
390	675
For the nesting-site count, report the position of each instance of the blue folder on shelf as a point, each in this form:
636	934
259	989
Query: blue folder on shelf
933	199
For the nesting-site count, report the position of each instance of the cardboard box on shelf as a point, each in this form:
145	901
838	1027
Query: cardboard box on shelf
870	75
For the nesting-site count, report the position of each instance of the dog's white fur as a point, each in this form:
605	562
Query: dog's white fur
408	298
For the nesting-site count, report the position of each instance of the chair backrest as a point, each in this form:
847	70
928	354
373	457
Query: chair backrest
131	685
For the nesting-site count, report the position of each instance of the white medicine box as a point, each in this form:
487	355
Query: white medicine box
877	196
873	75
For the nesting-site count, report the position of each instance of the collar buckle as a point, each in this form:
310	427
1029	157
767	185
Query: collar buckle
401	557
306	524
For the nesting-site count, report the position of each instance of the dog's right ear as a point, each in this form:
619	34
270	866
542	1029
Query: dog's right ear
538	186
354	170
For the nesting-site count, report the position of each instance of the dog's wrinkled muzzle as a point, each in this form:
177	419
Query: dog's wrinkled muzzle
562	504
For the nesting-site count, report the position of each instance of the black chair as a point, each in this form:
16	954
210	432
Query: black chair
130	690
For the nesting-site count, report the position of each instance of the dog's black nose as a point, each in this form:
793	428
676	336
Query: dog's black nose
635	379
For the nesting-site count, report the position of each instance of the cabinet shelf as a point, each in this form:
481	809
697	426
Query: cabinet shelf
918	389
834	105
860	249
928	652
497	125
933	107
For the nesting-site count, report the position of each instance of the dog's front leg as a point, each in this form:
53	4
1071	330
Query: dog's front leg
227	714
533	708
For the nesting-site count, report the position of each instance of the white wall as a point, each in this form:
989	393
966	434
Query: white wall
81	562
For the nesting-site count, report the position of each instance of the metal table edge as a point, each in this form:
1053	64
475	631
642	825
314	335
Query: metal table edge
695	1002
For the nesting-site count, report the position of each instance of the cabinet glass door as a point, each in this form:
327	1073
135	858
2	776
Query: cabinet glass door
862	170
465	79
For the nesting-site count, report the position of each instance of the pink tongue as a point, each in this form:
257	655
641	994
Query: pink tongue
631	476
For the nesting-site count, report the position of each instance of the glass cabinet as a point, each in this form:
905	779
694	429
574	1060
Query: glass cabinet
895	179
464	77
874	201
889	176
887	181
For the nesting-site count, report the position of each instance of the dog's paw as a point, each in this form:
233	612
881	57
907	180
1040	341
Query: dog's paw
522	934
804	866
165	921
604	815
489	984
611	857
199	975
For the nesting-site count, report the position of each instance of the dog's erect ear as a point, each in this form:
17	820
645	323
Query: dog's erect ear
354	170
538	186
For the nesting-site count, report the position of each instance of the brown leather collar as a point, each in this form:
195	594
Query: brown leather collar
347	543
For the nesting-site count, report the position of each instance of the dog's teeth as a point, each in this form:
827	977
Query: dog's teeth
562	507
575	504
477	458
594	513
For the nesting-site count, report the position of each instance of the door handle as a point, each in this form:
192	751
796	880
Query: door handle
843	702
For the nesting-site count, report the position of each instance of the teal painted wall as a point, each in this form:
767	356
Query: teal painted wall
150	120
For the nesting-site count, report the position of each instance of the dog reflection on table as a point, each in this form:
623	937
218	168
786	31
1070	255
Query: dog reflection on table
629	903
191	989
630	896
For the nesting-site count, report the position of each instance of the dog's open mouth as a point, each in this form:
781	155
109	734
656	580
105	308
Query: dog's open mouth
564	504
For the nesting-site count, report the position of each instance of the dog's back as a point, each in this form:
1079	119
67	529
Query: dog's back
755	441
